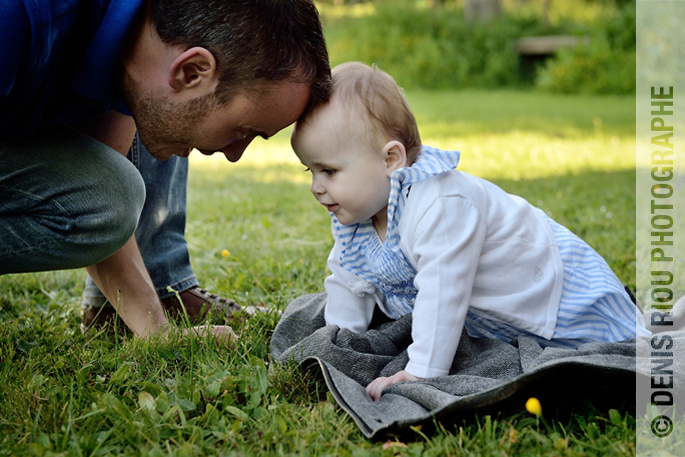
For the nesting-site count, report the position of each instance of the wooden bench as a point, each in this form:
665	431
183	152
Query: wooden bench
533	51
546	45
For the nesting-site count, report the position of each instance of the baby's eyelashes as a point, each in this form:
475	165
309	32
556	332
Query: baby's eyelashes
326	171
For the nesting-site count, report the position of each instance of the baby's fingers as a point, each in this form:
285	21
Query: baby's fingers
375	388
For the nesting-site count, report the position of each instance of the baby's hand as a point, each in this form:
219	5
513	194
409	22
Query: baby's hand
375	388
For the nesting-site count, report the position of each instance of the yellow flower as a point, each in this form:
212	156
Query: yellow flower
533	406
225	253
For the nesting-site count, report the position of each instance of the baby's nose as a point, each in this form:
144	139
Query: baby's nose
316	188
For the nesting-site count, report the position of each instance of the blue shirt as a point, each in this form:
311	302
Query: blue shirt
60	60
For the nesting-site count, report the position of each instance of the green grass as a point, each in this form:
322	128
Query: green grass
68	393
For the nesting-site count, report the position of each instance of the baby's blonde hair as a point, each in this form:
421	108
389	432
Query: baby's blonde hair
380	100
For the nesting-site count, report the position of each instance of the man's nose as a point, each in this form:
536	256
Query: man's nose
234	151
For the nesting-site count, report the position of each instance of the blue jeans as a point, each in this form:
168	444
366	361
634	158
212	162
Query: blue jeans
67	201
160	232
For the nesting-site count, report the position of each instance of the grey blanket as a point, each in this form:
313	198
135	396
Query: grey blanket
486	376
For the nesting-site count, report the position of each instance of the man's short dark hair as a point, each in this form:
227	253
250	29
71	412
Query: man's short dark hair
255	42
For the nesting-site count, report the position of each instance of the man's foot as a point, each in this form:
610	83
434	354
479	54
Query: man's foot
198	304
99	316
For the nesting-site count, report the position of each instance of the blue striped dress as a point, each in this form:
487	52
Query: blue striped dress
594	305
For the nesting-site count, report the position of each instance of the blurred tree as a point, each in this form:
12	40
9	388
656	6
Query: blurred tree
481	10
545	11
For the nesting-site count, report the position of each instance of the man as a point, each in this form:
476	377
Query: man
160	236
192	76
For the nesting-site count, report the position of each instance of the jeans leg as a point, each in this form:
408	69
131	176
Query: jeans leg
161	229
68	201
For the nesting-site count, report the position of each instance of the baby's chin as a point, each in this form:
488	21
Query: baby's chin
348	220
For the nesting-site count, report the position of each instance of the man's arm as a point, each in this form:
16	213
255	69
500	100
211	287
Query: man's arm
113	128
122	277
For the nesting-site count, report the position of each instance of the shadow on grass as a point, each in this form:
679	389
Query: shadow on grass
473	112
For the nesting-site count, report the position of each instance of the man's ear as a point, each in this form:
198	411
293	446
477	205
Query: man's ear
194	68
395	156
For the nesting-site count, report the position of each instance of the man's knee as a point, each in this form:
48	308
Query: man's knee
71	202
112	218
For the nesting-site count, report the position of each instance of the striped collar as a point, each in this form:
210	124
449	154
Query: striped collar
383	264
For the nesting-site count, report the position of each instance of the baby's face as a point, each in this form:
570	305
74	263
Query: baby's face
349	173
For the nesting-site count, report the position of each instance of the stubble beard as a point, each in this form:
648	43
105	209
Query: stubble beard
165	126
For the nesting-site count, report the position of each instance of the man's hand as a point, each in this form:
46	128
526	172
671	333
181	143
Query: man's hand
125	283
375	388
223	333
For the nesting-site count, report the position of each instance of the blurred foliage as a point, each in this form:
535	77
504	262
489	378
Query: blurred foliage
432	47
605	65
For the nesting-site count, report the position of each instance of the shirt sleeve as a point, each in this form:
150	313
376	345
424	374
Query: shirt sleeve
445	249
351	300
15	33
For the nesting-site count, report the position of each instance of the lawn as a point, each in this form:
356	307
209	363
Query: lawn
70	393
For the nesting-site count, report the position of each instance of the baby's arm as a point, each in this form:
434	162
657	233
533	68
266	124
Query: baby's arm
351	300
446	251
444	246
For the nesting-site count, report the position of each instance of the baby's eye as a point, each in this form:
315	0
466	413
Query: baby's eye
328	171
307	170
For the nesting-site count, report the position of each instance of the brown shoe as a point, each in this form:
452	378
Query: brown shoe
99	316
198	303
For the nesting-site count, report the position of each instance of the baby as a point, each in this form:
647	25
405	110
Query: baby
414	235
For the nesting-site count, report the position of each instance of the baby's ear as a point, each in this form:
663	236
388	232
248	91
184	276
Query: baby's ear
395	156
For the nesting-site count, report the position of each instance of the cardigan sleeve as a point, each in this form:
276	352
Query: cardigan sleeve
445	247
351	299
